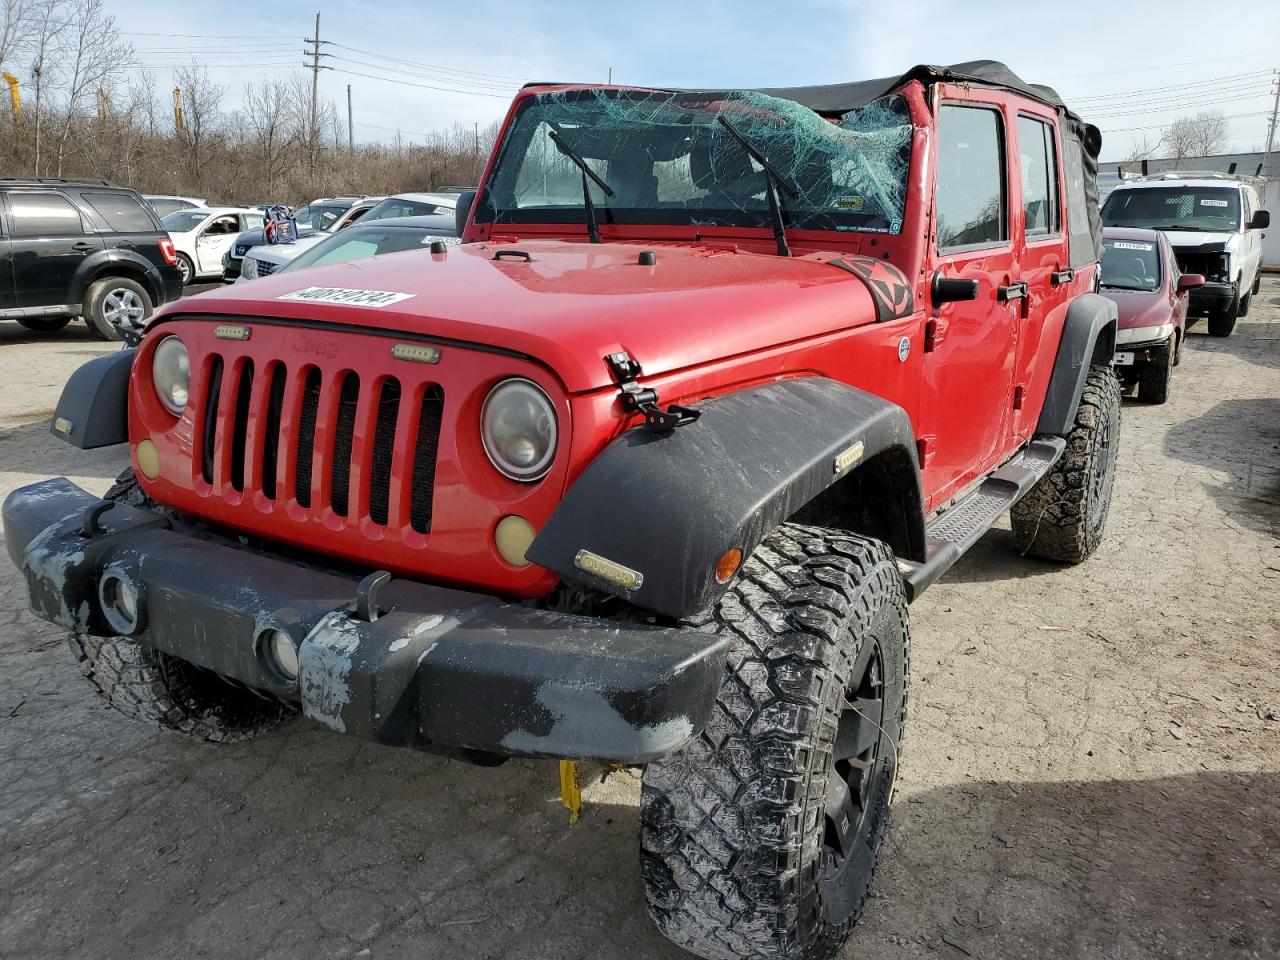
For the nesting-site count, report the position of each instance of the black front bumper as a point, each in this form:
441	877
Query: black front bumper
440	668
1213	297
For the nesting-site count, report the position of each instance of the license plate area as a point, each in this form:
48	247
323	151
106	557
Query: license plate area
1124	359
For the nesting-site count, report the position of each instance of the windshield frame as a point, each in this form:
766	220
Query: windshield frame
1160	265
1169	190
515	143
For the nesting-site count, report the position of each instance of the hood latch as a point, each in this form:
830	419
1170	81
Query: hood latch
637	399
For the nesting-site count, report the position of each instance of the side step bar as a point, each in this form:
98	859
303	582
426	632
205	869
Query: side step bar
956	529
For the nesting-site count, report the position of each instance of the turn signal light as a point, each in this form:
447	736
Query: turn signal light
728	564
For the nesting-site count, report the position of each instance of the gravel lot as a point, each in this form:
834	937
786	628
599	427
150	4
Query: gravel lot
1092	767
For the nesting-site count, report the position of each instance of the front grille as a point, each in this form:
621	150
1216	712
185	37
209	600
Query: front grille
337	437
265	268
1213	266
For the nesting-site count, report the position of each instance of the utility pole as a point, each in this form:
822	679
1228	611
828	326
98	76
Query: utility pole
313	124
1271	127
610	81
351	136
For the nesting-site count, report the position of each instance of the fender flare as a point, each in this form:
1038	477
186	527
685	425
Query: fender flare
666	508
93	410
1088	337
118	263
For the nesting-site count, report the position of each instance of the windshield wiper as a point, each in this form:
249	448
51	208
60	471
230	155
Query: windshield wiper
773	182
593	229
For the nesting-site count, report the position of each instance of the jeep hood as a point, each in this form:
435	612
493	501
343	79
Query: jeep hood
569	304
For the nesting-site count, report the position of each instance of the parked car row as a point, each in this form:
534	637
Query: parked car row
1177	247
111	255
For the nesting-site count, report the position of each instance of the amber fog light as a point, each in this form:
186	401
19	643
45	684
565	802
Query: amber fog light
148	459
121	601
281	652
512	538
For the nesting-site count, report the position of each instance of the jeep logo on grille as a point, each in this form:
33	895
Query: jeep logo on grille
315	348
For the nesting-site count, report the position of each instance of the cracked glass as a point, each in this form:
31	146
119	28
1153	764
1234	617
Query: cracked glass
669	159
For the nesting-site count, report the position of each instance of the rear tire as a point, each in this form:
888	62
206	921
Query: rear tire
44	324
1062	517
1224	321
113	302
145	684
1257	281
1153	382
759	838
186	268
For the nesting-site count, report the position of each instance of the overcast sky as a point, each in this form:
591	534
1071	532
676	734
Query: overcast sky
1128	67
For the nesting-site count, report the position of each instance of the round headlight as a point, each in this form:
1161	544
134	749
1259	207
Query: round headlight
171	373
518	427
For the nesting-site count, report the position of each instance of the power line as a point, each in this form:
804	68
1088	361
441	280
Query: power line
425	86
1161	126
484	85
428	66
1163	66
1209	82
1170	107
207	36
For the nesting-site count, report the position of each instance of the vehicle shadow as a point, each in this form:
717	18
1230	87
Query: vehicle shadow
15	333
30	447
1254	341
1239	438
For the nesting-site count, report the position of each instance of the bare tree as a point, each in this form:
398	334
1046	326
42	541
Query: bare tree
16	27
94	55
201	108
1144	149
50	22
270	123
1197	136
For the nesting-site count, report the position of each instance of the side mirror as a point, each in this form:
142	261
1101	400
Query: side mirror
1189	281
951	289
463	210
1261	220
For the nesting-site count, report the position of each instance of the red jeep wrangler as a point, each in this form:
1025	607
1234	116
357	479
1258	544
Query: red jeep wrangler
646	471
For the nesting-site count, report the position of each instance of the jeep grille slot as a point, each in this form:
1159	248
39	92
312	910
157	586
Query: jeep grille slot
240	425
430	415
306	437
271	431
343	438
210	437
384	443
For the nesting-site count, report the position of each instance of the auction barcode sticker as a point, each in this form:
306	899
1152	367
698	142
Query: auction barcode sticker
354	298
1213	203
1131	245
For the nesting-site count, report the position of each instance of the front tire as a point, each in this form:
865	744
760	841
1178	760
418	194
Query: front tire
1224	321
1062	517
145	684
759	838
115	303
44	324
1153	382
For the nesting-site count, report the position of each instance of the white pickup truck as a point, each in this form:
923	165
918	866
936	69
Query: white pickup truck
1214	224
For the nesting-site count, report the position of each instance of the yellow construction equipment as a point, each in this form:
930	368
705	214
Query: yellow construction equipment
570	789
14	96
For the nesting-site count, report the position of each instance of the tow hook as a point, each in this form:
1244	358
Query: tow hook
637	399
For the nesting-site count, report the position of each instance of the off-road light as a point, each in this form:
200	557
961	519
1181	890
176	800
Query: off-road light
518	428
281	651
609	570
121	602
416	352
512	537
232	331
148	458
171	374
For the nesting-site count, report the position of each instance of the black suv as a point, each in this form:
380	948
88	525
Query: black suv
82	249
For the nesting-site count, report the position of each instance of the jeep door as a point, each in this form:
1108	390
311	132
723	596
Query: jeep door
49	242
1038	219
969	358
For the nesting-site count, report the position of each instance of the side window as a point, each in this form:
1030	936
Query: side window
121	212
354	217
1039	177
971	201
223	225
43	215
253	221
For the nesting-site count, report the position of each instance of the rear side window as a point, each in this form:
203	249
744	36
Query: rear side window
43	215
1039	177
121	212
971	178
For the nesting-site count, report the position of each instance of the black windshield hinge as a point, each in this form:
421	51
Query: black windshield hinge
644	400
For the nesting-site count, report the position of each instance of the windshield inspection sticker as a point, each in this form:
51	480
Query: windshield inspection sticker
355	298
1213	203
850	203
1131	245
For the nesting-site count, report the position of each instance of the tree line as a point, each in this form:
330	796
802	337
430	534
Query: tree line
87	111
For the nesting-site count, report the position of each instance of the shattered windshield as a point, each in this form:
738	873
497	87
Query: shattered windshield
669	160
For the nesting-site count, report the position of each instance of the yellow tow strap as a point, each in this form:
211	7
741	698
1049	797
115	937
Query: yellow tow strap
570	789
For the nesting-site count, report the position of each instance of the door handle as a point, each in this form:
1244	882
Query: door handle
1014	291
1059	277
84	246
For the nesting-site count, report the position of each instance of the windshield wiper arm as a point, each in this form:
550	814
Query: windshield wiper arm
773	182
593	229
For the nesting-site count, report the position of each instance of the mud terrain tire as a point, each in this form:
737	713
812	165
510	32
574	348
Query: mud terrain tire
1064	514
145	684
740	857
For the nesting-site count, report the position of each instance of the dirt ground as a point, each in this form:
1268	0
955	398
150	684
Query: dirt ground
1092	767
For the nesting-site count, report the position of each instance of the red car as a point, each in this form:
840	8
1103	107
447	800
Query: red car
1140	273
